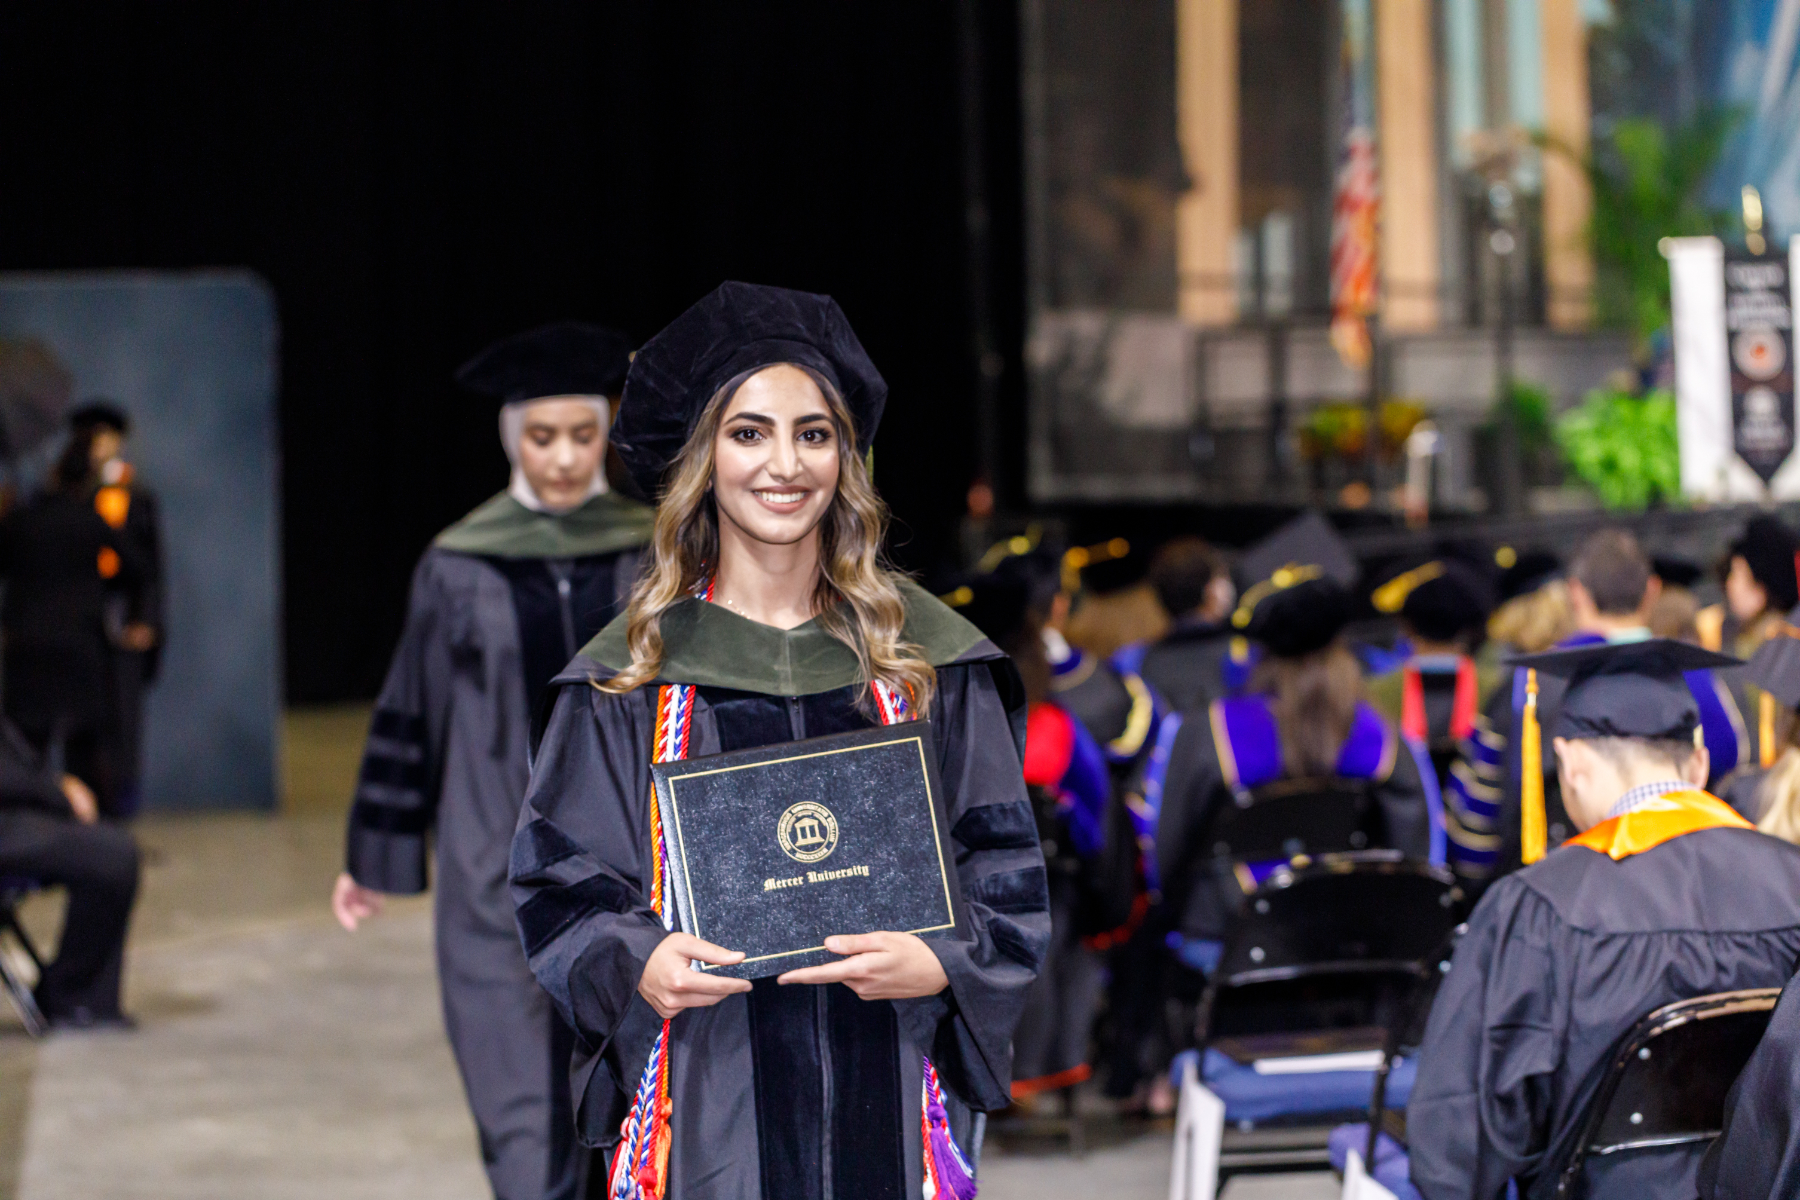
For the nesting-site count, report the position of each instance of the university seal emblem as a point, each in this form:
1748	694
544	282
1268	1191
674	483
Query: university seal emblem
807	832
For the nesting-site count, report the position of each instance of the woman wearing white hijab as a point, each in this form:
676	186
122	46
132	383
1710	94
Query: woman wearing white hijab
500	603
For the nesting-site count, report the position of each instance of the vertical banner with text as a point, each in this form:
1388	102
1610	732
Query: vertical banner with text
1733	317
1759	323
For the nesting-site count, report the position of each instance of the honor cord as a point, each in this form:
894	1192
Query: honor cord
641	1164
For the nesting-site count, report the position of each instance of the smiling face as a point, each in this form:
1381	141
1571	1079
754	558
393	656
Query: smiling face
775	458
561	443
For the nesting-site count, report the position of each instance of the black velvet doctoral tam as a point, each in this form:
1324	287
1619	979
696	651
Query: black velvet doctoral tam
569	358
733	331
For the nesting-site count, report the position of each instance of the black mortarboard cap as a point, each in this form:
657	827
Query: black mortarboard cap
99	414
1775	668
1296	594
995	603
1626	689
1675	572
736	329
569	358
1037	573
1308	538
1526	572
1441	598
1771	549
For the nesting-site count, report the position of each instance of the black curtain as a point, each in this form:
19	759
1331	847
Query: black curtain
415	180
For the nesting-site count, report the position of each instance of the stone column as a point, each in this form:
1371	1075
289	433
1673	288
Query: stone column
1206	217
1568	262
1406	143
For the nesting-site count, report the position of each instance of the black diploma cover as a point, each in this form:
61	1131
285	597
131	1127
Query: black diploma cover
774	849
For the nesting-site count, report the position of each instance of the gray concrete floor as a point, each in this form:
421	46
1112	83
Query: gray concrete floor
280	1057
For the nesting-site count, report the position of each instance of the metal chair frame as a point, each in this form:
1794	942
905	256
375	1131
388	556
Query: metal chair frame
16	988
1638	1041
1356	794
1292	1149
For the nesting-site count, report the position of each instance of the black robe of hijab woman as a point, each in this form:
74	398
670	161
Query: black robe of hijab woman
499	603
798	1092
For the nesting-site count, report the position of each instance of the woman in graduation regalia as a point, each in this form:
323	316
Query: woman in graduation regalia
766	617
499	603
1303	716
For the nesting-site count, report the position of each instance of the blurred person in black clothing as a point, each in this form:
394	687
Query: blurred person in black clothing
134	609
50	835
61	561
1187	664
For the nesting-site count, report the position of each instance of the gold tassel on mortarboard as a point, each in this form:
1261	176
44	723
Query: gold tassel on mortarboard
1531	777
1765	730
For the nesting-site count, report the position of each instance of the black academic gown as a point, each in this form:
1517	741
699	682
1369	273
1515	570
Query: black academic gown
134	600
799	1092
1201	782
58	677
1560	960
1187	665
1757	1157
499	602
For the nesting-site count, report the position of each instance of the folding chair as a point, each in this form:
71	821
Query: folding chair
1311	996
1290	817
1666	1084
12	891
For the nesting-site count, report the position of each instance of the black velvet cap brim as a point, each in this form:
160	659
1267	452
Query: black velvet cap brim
997	605
569	358
100	414
1770	548
1298	620
1452	604
1530	571
1626	689
732	332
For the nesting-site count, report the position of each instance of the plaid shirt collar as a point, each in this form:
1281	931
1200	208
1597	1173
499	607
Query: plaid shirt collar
1643	793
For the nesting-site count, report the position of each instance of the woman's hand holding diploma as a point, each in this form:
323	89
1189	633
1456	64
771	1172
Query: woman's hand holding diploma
670	984
880	966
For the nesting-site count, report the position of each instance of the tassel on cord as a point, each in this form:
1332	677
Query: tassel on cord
1765	730
1532	821
948	1175
641	1163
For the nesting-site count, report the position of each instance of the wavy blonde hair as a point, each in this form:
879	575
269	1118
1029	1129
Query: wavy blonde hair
1778	794
1535	621
857	599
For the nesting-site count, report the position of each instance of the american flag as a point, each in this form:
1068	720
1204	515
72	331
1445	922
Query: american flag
1354	205
1353	214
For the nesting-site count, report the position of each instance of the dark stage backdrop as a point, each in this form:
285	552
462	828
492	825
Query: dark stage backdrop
417	179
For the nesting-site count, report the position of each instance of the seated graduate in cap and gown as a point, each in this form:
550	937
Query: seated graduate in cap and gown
766	617
500	602
1089	850
1434	696
1304	715
1770	795
1761	581
1666	894
1612	590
